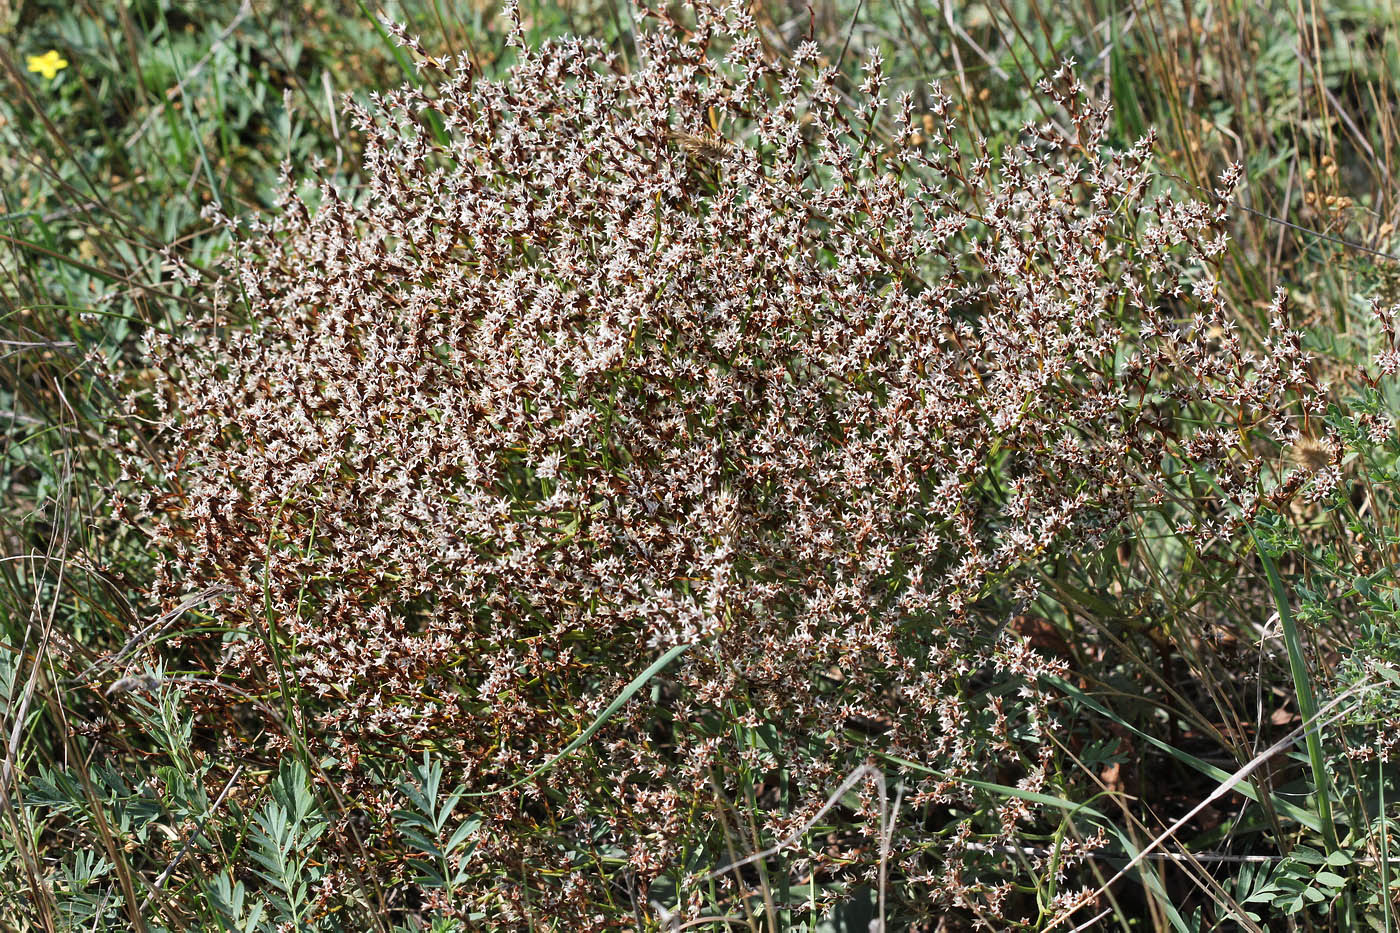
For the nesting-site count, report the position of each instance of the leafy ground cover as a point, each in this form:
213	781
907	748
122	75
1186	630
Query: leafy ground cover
804	468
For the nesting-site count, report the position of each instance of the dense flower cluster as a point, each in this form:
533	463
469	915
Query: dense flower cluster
606	360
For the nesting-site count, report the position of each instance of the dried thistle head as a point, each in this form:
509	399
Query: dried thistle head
1311	454
708	146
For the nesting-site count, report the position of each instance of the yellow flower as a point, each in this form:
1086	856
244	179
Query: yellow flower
49	64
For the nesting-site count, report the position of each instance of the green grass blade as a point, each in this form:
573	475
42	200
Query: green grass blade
1307	700
1149	879
1292	811
640	681
406	66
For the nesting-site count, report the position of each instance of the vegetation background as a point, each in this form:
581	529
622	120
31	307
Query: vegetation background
149	110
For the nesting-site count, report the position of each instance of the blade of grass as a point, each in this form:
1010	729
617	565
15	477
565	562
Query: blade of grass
406	65
1385	847
638	682
1307	700
1308	727
1293	811
1136	856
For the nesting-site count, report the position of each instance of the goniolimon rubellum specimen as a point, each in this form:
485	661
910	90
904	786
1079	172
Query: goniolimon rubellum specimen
571	384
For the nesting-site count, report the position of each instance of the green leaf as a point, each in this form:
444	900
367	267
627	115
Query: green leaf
463	832
421	841
1307	855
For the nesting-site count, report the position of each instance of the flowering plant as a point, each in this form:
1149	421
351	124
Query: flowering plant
604	361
